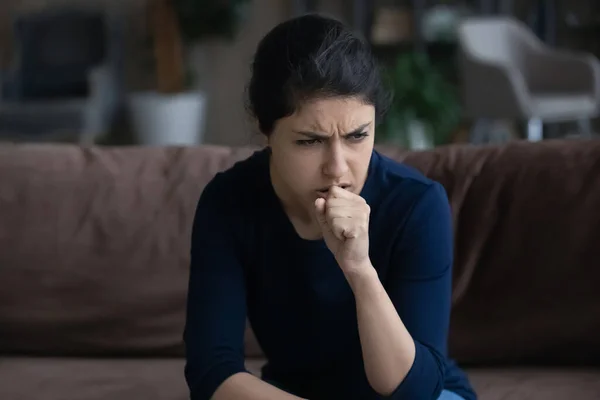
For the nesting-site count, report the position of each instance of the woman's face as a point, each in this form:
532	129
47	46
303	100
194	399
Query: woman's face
324	143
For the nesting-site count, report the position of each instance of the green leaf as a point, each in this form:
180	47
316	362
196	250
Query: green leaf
421	92
210	18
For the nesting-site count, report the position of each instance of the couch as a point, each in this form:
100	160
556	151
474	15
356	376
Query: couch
94	265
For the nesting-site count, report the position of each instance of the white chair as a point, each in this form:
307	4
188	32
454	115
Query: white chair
508	73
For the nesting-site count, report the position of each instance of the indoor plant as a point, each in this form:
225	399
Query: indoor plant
174	112
425	109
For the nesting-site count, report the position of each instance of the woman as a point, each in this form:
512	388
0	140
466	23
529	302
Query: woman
340	258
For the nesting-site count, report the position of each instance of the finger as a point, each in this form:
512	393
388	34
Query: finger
345	228
320	211
338	227
340	193
342	202
337	207
360	207
345	212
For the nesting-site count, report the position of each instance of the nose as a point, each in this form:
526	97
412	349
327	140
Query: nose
335	165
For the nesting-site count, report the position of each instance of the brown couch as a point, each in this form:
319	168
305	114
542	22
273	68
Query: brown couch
94	265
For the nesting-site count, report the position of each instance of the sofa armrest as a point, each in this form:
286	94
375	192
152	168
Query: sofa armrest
579	72
493	90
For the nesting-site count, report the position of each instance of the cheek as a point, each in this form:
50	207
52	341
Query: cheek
358	162
302	165
357	152
299	168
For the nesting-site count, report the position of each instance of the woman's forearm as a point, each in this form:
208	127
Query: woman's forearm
245	386
387	347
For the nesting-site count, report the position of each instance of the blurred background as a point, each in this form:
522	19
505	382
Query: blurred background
94	240
157	72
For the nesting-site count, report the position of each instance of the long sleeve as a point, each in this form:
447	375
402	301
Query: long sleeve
216	307
419	284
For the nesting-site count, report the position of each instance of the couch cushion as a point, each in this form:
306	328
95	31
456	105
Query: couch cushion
162	379
536	383
517	383
87	379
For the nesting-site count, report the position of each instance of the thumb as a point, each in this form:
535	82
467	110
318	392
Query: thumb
320	212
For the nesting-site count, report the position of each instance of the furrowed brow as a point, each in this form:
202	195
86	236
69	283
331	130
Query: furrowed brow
321	136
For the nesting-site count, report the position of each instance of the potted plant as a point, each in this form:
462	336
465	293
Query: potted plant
174	113
426	107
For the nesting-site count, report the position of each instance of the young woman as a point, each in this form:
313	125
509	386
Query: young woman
340	258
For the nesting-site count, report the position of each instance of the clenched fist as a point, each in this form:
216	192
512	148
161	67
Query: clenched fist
344	221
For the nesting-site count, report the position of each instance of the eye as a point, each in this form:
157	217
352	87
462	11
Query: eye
357	137
307	142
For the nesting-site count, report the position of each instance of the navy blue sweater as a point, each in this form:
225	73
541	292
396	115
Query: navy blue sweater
248	261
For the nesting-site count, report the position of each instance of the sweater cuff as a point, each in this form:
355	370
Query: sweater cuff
425	379
210	382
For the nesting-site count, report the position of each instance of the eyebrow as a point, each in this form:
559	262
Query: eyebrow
315	135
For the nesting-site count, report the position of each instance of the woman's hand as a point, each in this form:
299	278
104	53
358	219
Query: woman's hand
344	221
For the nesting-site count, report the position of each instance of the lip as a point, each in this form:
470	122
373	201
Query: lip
324	191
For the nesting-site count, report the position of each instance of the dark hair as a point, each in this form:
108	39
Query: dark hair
307	57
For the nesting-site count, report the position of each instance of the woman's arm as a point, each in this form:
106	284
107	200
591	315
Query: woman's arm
216	308
403	327
387	347
244	386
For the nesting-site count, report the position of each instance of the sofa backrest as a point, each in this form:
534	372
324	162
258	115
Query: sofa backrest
94	247
527	249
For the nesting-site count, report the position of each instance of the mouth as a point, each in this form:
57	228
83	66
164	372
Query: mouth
324	191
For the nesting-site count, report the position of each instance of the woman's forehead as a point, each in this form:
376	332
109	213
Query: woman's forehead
321	114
